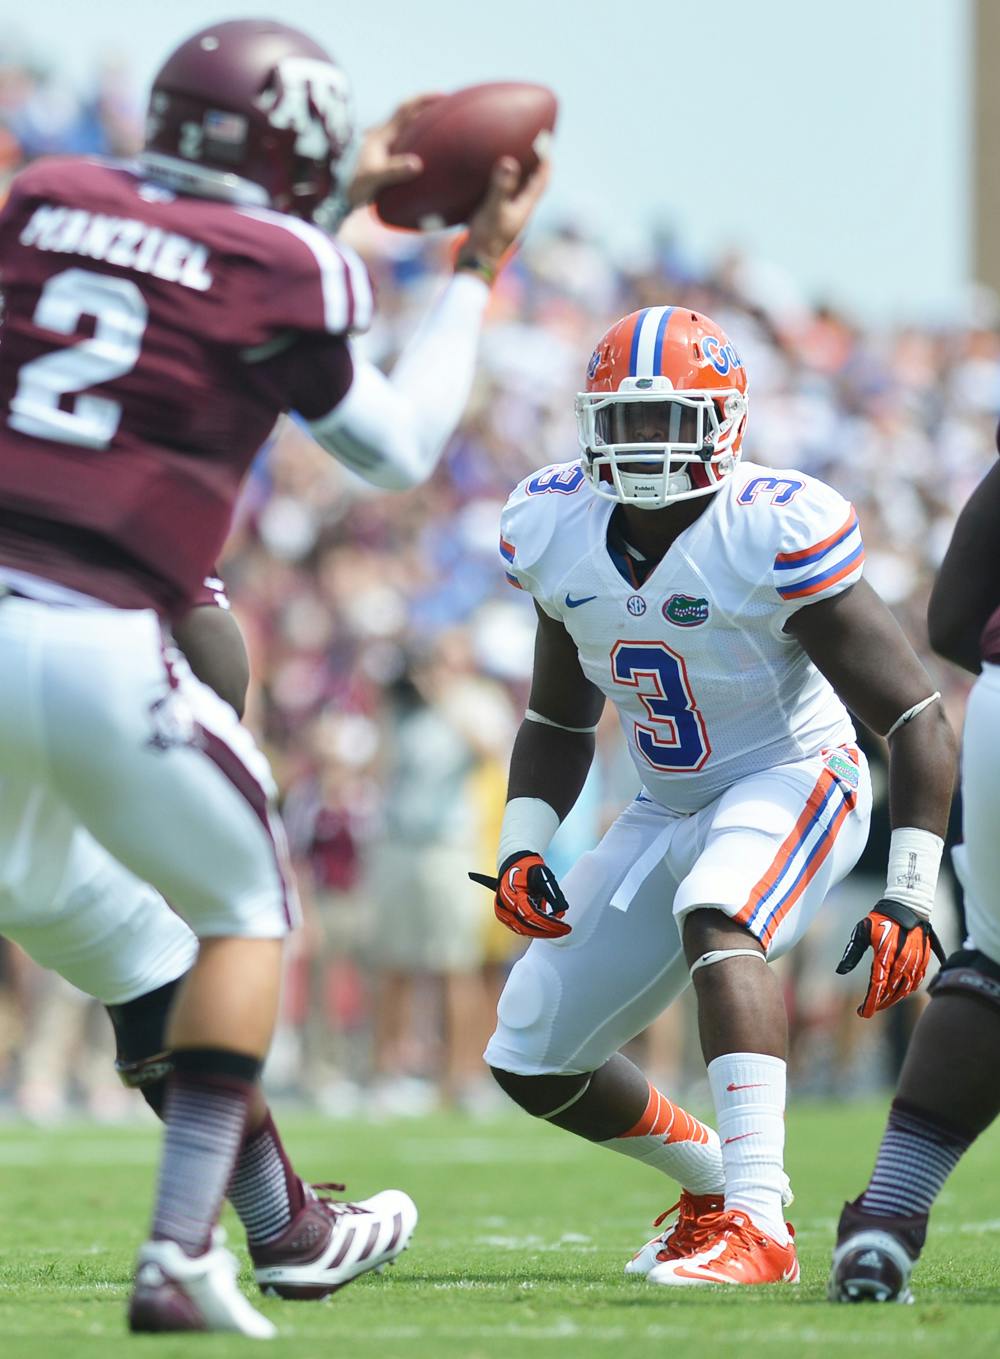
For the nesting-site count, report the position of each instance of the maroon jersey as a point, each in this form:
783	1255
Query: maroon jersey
989	641
211	593
149	343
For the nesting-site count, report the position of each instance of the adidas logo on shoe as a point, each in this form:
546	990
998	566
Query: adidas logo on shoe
870	1257
150	1275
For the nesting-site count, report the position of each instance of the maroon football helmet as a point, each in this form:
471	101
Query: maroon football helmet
253	112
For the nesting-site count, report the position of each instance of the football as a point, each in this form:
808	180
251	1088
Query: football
459	137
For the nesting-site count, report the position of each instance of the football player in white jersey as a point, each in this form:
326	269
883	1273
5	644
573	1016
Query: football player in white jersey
948	1091
721	607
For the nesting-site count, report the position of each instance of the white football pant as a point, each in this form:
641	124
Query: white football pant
977	860
766	853
108	740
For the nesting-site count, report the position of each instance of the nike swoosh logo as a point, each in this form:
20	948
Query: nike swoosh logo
754	1085
740	1137
575	603
703	1269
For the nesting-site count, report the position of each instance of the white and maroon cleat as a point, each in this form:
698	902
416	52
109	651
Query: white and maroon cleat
875	1256
178	1292
328	1243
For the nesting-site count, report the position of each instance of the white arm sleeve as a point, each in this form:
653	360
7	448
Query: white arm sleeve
392	430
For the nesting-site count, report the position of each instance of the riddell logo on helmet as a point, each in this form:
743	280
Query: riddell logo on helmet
684	611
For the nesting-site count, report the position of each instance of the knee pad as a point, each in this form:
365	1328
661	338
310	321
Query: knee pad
970	973
142	1060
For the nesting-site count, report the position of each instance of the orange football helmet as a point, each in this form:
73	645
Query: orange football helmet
665	408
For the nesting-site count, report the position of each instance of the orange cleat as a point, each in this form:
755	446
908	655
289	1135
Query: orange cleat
684	1236
733	1250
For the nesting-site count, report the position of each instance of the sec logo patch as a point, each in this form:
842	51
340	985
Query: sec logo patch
636	606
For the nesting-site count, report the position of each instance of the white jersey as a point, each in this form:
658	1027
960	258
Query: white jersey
708	685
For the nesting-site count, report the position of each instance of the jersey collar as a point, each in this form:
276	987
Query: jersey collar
609	556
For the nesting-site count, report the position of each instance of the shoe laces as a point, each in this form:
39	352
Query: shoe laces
738	1231
321	1190
688	1232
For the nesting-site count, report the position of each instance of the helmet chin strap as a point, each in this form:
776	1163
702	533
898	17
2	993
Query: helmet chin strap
678	483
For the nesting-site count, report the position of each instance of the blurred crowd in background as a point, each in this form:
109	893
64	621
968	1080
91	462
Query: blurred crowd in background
390	659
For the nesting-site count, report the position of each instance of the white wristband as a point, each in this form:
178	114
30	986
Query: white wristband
528	823
914	861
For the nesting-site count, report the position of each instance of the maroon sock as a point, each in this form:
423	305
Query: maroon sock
918	1153
205	1112
265	1190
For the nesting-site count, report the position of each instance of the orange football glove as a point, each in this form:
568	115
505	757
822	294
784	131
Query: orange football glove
901	942
528	899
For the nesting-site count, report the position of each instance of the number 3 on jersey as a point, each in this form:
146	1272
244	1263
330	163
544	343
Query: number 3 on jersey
676	740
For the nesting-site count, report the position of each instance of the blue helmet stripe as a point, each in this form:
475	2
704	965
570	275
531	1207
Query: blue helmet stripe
634	355
661	330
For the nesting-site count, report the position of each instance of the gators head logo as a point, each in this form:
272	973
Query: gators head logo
685	611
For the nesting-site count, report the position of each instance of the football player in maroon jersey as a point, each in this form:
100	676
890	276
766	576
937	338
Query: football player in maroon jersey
948	1092
159	316
111	935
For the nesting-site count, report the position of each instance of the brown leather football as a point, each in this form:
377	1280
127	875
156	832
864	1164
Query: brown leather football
460	137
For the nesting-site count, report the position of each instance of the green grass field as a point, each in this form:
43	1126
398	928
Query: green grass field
519	1250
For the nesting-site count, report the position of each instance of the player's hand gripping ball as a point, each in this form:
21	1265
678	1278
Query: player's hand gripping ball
901	943
528	898
459	138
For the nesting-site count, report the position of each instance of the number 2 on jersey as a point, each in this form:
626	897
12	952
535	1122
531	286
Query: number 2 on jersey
676	741
120	313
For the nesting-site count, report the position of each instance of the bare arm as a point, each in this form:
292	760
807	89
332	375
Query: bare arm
547	771
549	762
861	649
967	588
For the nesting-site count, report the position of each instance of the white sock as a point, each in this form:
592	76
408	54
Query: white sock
671	1140
749	1093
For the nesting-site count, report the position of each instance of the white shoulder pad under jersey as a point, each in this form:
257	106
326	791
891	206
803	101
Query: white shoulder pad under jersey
792	534
543	530
708	685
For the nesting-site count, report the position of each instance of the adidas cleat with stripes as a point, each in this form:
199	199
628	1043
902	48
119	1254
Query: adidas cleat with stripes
328	1243
874	1257
174	1291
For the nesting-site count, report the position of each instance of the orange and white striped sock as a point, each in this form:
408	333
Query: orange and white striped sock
670	1139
